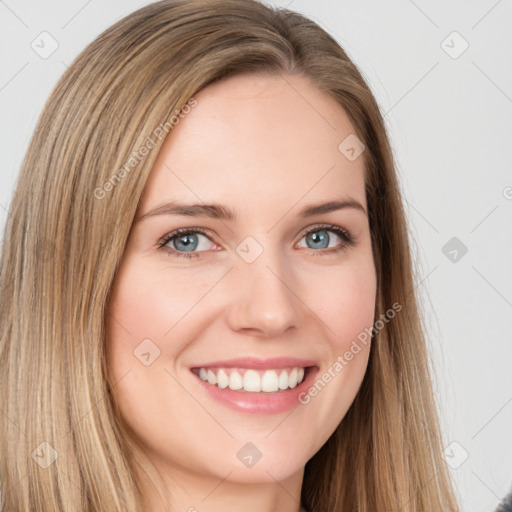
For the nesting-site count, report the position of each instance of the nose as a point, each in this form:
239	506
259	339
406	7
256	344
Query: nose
263	300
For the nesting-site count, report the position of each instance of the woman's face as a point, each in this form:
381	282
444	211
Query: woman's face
253	299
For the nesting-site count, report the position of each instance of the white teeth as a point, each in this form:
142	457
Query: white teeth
235	381
222	379
212	378
251	380
269	381
283	380
292	378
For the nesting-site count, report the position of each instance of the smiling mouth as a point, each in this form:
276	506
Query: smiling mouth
252	380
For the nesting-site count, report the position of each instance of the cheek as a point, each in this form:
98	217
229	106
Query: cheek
140	311
143	339
344	307
153	313
345	302
148	302
353	309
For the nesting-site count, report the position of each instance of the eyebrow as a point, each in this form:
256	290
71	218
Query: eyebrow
218	211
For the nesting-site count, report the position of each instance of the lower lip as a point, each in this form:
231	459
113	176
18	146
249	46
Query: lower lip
261	402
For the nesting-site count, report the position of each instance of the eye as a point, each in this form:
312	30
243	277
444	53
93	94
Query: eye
318	238
185	242
189	242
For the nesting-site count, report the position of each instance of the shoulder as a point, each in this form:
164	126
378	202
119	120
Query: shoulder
506	504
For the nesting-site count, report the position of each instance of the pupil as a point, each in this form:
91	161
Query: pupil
187	242
322	237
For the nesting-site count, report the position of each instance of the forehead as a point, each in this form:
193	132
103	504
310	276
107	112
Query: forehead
260	140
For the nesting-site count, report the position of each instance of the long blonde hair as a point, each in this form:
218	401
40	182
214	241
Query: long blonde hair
70	217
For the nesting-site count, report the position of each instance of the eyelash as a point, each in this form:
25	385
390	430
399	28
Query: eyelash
348	240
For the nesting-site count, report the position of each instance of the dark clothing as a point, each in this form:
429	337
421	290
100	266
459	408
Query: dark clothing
506	504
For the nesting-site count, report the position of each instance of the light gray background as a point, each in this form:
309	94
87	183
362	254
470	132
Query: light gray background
450	121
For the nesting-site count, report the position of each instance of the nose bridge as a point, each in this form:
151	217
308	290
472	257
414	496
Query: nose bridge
263	292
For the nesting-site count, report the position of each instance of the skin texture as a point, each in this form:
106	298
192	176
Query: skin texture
265	146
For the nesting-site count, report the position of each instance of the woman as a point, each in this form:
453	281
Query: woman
207	293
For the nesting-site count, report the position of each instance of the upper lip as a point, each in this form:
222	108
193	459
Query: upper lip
261	364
